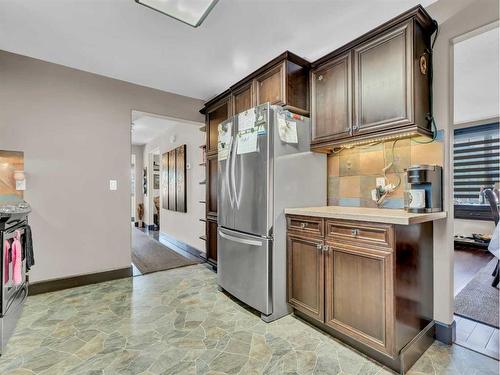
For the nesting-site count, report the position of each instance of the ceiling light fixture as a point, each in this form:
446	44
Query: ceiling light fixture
192	12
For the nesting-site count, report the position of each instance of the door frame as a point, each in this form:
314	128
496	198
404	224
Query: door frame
151	205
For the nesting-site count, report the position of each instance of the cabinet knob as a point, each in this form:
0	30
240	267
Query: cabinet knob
302	225
319	246
325	248
354	232
320	78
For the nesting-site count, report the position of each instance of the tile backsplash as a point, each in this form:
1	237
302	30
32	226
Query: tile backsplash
352	172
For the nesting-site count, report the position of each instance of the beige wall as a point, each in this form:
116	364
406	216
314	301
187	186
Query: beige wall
74	129
455	18
184	226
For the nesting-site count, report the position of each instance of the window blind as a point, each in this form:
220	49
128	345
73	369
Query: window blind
476	152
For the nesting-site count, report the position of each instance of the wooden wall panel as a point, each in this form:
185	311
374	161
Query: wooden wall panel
171	181
164	181
180	157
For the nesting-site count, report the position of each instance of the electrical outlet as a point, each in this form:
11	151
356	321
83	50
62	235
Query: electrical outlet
380	181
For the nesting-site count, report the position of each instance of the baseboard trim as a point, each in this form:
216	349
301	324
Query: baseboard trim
184	246
75	281
446	333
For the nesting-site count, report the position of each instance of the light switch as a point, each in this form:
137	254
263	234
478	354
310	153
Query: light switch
113	185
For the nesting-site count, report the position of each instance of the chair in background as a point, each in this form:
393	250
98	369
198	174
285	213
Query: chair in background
492	200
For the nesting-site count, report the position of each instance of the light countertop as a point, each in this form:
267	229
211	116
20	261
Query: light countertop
378	215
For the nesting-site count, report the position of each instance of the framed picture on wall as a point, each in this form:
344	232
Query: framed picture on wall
164	181
173	179
156	181
180	169
145	180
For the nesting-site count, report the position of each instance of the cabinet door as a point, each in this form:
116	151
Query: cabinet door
331	101
215	115
243	98
212	241
359	295
270	86
212	175
383	85
306	275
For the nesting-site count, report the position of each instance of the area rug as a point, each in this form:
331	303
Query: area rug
149	255
478	300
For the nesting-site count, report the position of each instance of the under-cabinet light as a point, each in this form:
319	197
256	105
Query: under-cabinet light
192	12
378	140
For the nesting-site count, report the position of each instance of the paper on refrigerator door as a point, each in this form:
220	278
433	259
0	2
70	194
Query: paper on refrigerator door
224	140
247	142
246	120
287	130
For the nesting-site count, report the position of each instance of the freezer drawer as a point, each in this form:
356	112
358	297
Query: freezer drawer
244	268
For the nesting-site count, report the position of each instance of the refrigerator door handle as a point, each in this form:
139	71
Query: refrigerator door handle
233	172
240	240
228	164
237	194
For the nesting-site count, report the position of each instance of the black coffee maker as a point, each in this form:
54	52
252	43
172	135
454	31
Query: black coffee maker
425	189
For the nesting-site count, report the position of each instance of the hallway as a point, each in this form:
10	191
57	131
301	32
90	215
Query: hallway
149	254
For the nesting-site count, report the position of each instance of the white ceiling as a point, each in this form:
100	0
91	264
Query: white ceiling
127	41
147	127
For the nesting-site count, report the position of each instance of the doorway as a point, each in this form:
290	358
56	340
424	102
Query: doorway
157	231
475	164
154	197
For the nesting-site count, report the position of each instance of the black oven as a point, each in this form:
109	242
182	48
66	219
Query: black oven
13	271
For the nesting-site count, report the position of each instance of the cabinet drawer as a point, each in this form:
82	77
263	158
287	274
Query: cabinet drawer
359	232
306	225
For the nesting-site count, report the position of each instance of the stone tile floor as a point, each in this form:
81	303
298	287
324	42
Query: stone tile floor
177	322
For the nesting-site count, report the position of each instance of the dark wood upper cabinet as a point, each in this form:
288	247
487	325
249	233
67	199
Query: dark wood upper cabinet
243	98
283	81
216	113
270	86
383	92
332	99
285	84
377	85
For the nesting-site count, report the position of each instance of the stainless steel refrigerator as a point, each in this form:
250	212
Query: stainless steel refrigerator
265	165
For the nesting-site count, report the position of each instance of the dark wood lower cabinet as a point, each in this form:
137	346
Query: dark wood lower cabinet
306	275
212	170
368	284
212	241
359	295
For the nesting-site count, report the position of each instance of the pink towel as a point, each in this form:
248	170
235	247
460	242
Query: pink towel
6	261
17	259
